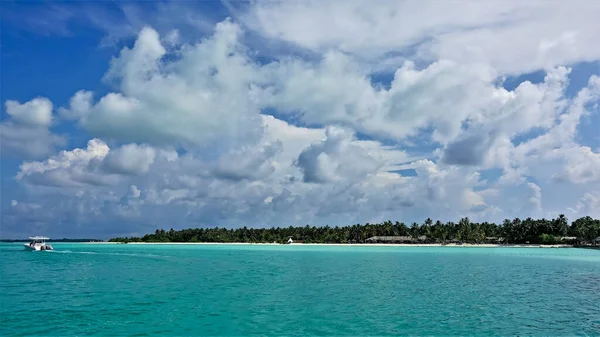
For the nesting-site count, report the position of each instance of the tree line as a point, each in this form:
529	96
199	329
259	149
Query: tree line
516	231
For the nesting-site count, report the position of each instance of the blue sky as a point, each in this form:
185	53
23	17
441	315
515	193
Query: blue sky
233	113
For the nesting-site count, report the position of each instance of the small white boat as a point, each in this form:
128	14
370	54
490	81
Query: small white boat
38	243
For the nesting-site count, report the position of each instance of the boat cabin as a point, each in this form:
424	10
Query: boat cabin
38	240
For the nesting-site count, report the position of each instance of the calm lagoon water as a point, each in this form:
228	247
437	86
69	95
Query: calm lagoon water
243	290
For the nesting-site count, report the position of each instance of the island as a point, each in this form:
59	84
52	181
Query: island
583	232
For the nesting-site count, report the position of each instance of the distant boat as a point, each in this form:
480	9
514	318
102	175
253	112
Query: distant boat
38	243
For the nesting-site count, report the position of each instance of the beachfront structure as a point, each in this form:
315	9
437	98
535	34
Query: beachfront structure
569	239
494	240
395	239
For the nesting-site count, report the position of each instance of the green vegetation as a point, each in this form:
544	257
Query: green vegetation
514	231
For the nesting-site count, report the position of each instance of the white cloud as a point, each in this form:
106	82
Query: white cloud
69	168
188	102
134	192
79	105
37	112
443	97
25	133
130	159
536	197
252	162
96	165
557	147
588	204
512	36
581	165
203	98
359	26
336	159
337	90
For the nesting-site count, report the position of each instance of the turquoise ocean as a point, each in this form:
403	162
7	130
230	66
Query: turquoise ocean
283	290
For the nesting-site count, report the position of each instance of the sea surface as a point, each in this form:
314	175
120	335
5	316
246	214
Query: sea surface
287	290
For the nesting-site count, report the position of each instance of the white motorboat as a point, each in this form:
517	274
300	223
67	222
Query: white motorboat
38	243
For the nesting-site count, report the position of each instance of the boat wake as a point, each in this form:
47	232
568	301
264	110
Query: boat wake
101	253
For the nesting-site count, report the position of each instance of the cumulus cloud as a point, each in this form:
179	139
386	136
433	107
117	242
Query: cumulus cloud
204	194
25	133
68	168
555	154
203	98
97	164
582	165
450	189
130	159
249	162
338	91
79	105
336	158
37	112
461	107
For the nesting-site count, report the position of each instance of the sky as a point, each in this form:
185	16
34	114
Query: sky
119	118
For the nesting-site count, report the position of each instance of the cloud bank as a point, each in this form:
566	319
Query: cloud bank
206	133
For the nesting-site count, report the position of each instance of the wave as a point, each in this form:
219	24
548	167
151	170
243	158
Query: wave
102	253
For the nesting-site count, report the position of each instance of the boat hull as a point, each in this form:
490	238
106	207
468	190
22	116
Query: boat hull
37	247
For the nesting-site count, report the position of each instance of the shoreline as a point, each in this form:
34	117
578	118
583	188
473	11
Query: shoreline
474	245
